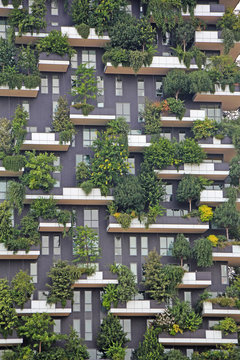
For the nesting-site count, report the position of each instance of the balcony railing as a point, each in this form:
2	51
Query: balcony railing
53	62
92	119
32	254
93	39
230	254
199	280
208	13
212	145
29	38
23	92
41	306
139	308
215	197
188	119
44	141
164	224
52	226
11	340
98	280
9	173
215	310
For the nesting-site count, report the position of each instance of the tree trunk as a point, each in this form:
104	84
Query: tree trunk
184	45
190	204
181	261
177	93
40	347
227	233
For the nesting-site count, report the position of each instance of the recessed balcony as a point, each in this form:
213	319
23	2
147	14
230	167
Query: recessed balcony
72	196
230	254
23	92
5	10
196	280
41	306
53	63
164	224
9	173
215	310
99	279
159	66
216	146
93	39
212	171
80	119
44	141
52	226
139	308
212	40
187	120
215	198
32	254
198	338
210	14
29	38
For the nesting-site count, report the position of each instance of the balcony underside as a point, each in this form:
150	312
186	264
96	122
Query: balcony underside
159	229
23	92
218	46
87	42
54	313
8	173
229	3
19	255
31	145
198	284
5	10
230	258
174	174
79	119
28	38
53	227
53	65
229	101
227	150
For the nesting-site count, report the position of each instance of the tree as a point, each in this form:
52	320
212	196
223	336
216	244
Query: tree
37	330
8	316
111	333
184	316
159	154
160	281
184	34
202	251
189	152
153	187
74	347
200	81
27	61
86	246
6	229
18	130
16	195
5	137
234	171
175	83
189	189
80	12
116	352
22	288
175	355
181	248
62	277
61	121
126	287
149	348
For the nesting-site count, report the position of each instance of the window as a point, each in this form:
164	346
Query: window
169	191
3	189
189	353
54	106
3	28
76	326
182	136
54	7
89	58
25	106
123	110
166	244
84	158
141	108
89	135
224	275
140	88
159	86
166	39
212	111
212	323
76	300
57	326
88	330
45	245
133	268
31	129
44	84
57	163
144	245
100	95
56	246
30	2
166	135
126	325
188	297
176	212
42	295
55	84
74	61
117	245
88	300
133	245
33	272
129	8
118	87
131	163
91	218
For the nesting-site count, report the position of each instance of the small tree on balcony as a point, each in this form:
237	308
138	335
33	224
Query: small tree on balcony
22	288
61	121
8	316
234	171
149	348
202	251
176	83
181	248
5	137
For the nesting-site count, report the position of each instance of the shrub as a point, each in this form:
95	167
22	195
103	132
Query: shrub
184	316
160	154
16	195
61	121
176	107
181	248
126	287
149	347
14	162
83	30
234	171
203	129
82	172
8	316
152	117
22	288
206	213
123	219
45	208
6	229
213	239
87	186
80	11
227	325
5	137
190	152
55	43
18	130
202	251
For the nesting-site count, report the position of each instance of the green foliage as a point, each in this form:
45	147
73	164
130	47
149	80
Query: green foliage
45	208
230	25
124	219
37	329
126	287
200	81
8	316
181	248
202	251
152	118
87	186
232	128
55	43
234	171
153	188
161	281
176	106
149	348
176	83
80	11
116	352
74	347
184	34
227	326
110	296
83	30
203	129
160	154
27	61
38	171
61	120
14	163
6	230
29	231
16	195
189	189
184	316
111	333
5	137
205	213
223	71
83	172
7	53
86	246
189	152
22	288
175	355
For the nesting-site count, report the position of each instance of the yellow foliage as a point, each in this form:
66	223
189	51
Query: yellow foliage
206	213
213	239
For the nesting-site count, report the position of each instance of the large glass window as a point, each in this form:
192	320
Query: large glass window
166	244
123	110
89	58
212	111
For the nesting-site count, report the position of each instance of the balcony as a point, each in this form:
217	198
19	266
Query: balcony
53	63
230	254
52	226
41	306
215	310
229	3
72	196
215	197
28	38
159	66
164	224
23	92
196	280
5	10
210	14
212	40
216	146
44	141
229	100
212	171
93	39
9	173
99	279
139	308
198	338
11	340
79	119
137	143
32	254
187	121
